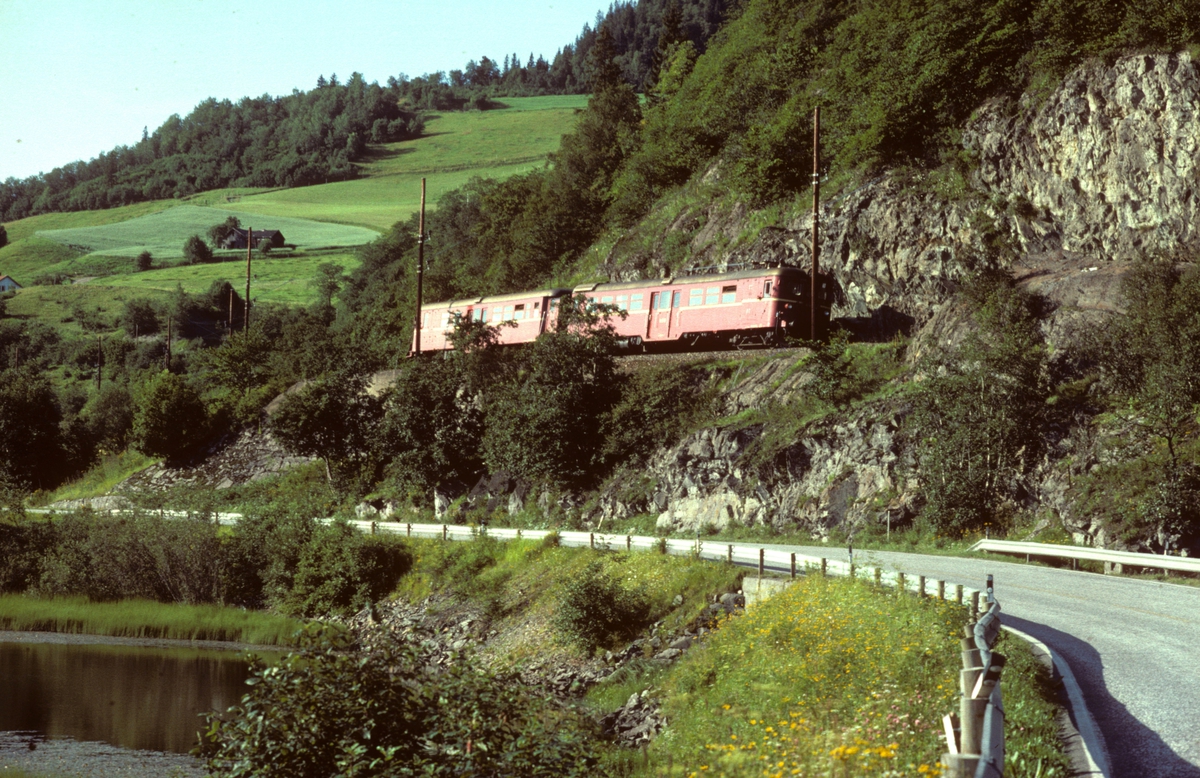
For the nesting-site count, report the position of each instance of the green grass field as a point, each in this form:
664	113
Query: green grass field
275	279
163	233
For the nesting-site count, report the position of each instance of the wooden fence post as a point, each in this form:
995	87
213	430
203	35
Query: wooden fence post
941	590
920	586
958	590
793	564
410	530
445	532
762	555
824	566
592	540
729	554
629	543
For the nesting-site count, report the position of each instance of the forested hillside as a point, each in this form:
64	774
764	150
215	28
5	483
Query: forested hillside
315	136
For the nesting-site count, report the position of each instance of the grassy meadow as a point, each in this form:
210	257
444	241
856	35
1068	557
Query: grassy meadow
163	233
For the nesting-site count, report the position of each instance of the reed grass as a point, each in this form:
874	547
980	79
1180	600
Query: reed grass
145	619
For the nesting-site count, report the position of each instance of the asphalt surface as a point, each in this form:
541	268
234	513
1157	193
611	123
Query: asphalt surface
1133	646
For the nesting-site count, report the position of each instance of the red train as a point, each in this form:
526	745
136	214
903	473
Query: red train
745	308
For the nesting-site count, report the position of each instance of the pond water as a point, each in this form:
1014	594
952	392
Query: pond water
132	697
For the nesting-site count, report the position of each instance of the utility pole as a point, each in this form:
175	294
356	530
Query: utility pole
246	315
167	355
420	269
99	362
816	221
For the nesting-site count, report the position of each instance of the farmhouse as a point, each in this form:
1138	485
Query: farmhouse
237	238
7	284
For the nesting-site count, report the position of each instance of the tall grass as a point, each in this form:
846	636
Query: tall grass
102	476
145	619
831	677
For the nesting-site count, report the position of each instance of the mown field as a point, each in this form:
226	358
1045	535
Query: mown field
275	279
163	233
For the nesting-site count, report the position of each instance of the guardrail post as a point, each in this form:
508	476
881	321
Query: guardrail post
902	583
762	556
824	566
374	529
941	590
518	533
974	606
793	564
729	554
409	530
958	590
920	586
878	576
629	543
445	532
592	540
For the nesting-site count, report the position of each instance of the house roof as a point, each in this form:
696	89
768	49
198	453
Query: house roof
10	278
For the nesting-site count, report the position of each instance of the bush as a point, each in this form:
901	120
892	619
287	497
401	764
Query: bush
170	417
340	570
596	609
195	250
334	710
144	261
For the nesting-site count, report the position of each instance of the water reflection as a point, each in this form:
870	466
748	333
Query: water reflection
132	697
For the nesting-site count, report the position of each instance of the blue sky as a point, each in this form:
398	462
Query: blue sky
78	77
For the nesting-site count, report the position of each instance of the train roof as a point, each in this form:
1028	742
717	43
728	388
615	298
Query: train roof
698	279
499	298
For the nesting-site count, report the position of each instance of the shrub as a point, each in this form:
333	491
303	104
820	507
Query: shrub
170	417
333	710
596	609
195	250
340	570
144	261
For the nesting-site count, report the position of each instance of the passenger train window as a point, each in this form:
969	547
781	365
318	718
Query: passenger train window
623	302
508	313
696	297
729	294
712	295
664	302
767	289
675	299
483	314
519	313
425	320
635	302
606	300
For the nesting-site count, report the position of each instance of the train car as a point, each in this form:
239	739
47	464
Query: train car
529	313
740	309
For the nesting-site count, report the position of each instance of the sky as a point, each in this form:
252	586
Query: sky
78	77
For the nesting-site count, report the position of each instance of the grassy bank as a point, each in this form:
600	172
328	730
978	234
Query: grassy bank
835	677
144	619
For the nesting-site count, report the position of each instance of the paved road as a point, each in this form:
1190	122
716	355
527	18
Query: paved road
1133	645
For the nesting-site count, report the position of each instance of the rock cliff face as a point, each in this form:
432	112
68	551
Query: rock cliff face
1105	168
1064	190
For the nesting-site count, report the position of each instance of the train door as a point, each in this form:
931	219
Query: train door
673	322
650	314
662	316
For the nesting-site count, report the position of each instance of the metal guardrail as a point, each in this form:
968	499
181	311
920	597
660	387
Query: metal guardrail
975	738
1131	558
